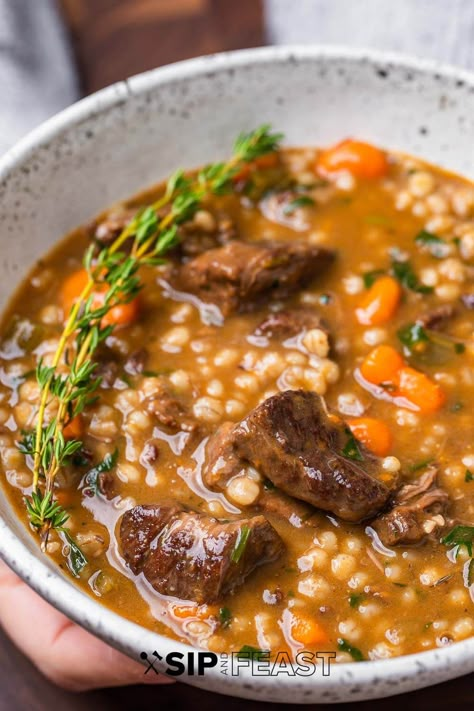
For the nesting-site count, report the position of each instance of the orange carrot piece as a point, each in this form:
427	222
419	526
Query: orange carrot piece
420	390
360	159
375	434
380	302
269	160
307	631
182	612
73	429
72	288
120	315
64	497
382	365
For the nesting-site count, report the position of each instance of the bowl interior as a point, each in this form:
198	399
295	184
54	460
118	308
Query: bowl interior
133	134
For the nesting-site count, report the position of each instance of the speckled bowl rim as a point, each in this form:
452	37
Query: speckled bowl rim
391	675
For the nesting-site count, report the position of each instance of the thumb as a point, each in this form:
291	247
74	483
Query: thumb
68	655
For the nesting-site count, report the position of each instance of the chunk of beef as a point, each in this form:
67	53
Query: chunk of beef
437	318
136	362
106	484
203	233
289	322
276	503
192	556
417	511
108	229
241	276
107	371
291	440
168	408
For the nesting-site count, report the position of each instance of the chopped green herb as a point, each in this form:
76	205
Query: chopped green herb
413	336
92	478
469	573
225	616
351	449
355	599
456	406
427	625
442	580
240	544
459	347
404	273
370	277
249	652
460	536
344	646
429	242
421	465
302	201
400	585
76	559
468	476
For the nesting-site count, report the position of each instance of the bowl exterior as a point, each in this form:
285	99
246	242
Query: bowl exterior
133	134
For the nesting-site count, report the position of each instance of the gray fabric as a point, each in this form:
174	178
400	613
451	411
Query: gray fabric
37	75
438	29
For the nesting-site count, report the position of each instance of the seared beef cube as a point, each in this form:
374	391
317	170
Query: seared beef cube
292	441
289	322
241	276
170	410
276	503
416	513
195	557
437	318
108	229
107	371
204	232
136	362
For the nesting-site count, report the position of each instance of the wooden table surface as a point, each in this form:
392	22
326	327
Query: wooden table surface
114	39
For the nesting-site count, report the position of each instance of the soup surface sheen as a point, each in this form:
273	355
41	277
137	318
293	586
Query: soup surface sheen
382	335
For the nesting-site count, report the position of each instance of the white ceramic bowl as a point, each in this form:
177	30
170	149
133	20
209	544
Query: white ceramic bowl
134	133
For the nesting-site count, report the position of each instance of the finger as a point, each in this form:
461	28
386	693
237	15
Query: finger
67	654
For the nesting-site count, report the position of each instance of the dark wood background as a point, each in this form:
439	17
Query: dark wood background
114	39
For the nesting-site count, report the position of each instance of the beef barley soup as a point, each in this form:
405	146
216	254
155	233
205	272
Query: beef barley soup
237	408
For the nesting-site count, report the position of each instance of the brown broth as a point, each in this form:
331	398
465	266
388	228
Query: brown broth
385	602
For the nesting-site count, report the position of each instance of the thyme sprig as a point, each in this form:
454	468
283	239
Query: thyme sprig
69	384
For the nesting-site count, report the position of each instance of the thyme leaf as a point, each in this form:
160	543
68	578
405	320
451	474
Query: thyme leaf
70	380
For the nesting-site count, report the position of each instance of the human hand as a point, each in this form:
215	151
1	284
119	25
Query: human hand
68	655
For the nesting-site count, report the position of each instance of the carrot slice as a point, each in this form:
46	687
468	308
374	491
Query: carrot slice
72	288
382	365
420	390
375	434
182	612
361	159
380	302
307	631
269	160
120	315
73	429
